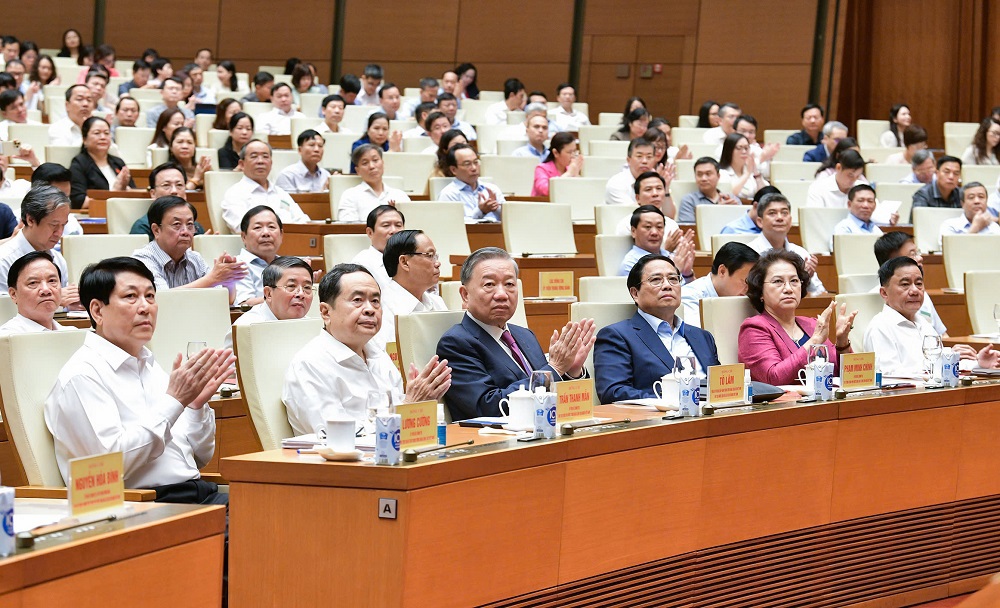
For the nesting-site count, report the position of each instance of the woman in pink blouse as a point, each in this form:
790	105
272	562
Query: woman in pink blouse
564	160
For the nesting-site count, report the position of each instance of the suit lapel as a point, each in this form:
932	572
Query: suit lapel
698	346
492	346
651	340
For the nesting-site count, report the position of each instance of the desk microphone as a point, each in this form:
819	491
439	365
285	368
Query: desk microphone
569	428
410	455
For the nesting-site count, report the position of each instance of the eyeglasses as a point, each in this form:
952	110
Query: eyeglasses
780	283
657	281
293	289
430	255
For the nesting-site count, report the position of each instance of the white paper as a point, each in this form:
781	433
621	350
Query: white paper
884	210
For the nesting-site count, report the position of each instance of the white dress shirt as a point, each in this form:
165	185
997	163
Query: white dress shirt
727	175
619	189
260	313
64	132
371	259
20	187
247	194
297	178
694	292
364	99
496	114
276	122
962	225
108	401
897	342
569	121
358	201
715	135
18	247
327	379
23	325
252	284
761	245
397	301
824	192
325	128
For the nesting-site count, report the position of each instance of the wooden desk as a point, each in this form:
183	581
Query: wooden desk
169	555
869	501
582	266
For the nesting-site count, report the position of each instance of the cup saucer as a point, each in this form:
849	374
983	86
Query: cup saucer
329	454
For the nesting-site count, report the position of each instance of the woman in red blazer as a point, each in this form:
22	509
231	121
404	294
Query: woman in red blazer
774	344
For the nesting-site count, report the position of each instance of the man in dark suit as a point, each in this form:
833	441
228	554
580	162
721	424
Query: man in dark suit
490	358
633	354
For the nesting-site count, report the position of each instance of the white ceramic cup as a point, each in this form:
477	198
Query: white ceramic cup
520	410
340	434
667	390
806	378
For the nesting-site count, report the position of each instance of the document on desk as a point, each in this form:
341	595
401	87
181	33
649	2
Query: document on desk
648	402
884	210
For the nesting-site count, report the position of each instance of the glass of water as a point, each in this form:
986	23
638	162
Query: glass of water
931	346
194	348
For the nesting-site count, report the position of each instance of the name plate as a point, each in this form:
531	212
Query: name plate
96	483
392	349
555	284
725	384
574	400
857	370
418	425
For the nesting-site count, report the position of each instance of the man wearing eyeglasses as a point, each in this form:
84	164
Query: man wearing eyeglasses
255	188
169	255
482	201
411	261
631	355
288	294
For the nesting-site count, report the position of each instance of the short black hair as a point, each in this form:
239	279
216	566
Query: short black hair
451	160
163	204
8	97
98	280
634	280
272	274
349	83
261	78
888	244
764	192
306	136
734	255
706	160
69	92
644	176
174	79
446	97
385	87
889	268
333	97
512	86
565	85
859	188
402	243
755	279
253	212
22	262
638	142
378	212
47	173
637	214
364	149
373	70
329	286
811	106
165	167
949	159
139	64
766	200
280	85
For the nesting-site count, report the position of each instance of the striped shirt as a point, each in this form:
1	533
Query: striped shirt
168	273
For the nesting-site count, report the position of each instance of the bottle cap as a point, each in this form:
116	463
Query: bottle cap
441	411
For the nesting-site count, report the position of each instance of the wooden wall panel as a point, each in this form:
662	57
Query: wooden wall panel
176	30
608	17
34	20
516	31
246	30
417	30
775	106
728	33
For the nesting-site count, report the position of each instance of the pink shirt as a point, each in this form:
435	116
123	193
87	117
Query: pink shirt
543	173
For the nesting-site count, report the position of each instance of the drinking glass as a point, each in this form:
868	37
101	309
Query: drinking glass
931	346
996	316
376	400
540	378
194	348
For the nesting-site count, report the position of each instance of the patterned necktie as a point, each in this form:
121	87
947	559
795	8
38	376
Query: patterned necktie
519	358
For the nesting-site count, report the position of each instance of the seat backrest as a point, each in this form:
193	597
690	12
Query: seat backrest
29	367
878	154
216	184
415	168
512	174
609	119
718	240
189	315
816	227
487	136
680	136
309	121
81	250
133	143
123	212
610	250
869	131
709	220
603	314
263	377
538	228
211	153
855	253
927	226
211	246
341	248
8	310
444	223
589	133
582	194
256	108
435	185
309	104
778	136
607	217
61	155
857	283
280	160
679	188
37	136
895	191
982	293
791	153
418	333
506	146
604	289
608	147
797	192
965	252
602	166
790	170
722	318
984	174
955	145
202	125
964	129
868	305
882	173
158	156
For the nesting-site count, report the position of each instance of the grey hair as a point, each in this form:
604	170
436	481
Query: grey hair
41	201
243	150
920	157
535	108
833	124
481	255
272	274
767	199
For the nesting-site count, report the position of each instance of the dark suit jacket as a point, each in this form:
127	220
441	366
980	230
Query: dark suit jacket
84	175
629	357
481	372
816	155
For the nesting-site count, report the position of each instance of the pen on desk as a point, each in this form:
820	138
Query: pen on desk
528	254
306	451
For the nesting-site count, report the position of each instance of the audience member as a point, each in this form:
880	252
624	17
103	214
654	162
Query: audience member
350	86
44	213
241	129
358	201
900	244
333	114
565	116
943	190
448	104
79	105
706	176
747	224
171	91
228	82
449	140
482	201
812	125
563	160
287	285
708	115
899	120
306	175
537	128
371	80
262	232
14	111
255	188
35	287
774	216
831	190
382	222
924	167
833	133
728	112
437	124
278	120
738	167
377	134
413	267
728	278
860	206
263	82
975	218
914	138
515	99
634	125
168	179
126	115
619	189
94	168
648	229
983	149
182	152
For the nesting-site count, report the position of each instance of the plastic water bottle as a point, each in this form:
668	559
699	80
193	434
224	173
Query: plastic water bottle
878	373
6	521
442	426
747	388
545	413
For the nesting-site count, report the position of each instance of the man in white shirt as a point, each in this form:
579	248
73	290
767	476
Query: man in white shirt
565	116
14	111
44	213
278	120
358	201
171	91
262	232
411	261
728	112
774	216
896	244
288	293
333	374
36	286
619	190
79	105
437	125
333	114
537	128
860	206
420	113
650	188
729	273
306	175
256	189
831	190
371	78
482	201
382	222
896	334
448	104
111	396
390	102
19	187
515	99
975	218
170	258
648	226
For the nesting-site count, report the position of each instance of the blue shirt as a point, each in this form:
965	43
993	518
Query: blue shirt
686	212
528	150
673	338
744	225
634	255
853	225
462	192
